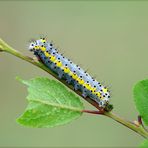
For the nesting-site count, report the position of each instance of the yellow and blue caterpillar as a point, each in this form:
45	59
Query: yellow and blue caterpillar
72	73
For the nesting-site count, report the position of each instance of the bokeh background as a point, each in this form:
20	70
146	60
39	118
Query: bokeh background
109	38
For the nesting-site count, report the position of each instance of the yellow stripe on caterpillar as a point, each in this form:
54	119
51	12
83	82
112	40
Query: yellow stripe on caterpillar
104	90
43	40
52	58
66	69
87	86
98	94
59	64
93	90
46	54
36	47
74	76
80	81
55	61
42	48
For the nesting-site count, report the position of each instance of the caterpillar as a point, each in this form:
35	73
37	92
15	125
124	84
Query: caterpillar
70	72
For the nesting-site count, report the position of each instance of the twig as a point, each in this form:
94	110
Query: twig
138	129
93	112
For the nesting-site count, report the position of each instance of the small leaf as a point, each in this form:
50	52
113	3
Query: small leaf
50	104
141	99
144	144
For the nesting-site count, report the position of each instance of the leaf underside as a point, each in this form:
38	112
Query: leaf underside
50	104
141	99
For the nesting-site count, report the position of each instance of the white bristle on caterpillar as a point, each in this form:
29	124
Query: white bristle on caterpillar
72	73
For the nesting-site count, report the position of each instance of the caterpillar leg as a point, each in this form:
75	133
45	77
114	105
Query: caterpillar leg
93	97
76	86
84	93
60	73
37	58
54	67
68	79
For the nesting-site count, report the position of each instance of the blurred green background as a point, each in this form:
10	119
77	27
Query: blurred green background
109	38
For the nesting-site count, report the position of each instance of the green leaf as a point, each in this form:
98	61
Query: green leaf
144	144
50	104
141	99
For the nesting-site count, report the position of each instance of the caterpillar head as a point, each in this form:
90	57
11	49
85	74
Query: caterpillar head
105	94
40	44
